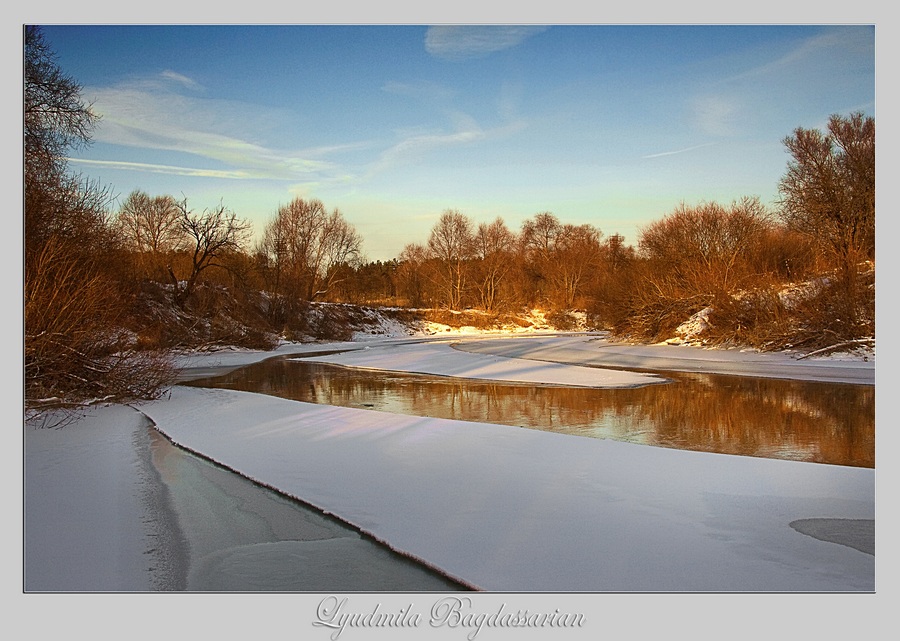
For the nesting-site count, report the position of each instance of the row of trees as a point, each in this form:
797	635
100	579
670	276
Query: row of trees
87	263
736	258
308	253
547	263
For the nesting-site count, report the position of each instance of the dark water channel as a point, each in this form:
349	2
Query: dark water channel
798	420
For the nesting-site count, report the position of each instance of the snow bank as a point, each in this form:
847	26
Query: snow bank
584	350
94	518
443	360
597	352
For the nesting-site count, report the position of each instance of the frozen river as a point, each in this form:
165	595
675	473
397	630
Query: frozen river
468	499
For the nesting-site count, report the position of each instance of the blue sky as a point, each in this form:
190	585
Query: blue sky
608	125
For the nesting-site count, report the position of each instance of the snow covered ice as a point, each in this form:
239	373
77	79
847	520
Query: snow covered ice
502	508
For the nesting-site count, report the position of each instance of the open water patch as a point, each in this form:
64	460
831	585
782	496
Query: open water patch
811	421
858	534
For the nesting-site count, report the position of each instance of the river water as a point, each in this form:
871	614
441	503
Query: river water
772	418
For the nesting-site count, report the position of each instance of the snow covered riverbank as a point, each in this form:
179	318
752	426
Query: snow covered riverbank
498	507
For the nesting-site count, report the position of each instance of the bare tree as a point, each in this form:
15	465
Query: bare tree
149	224
559	256
828	194
611	290
828	191
617	254
707	248
494	245
56	118
305	246
341	247
577	255
149	227
74	352
452	244
539	236
537	239
696	257
207	238
411	274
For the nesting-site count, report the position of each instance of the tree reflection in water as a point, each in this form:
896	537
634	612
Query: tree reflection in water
799	420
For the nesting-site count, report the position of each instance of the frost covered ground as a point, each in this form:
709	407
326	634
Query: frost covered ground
499	508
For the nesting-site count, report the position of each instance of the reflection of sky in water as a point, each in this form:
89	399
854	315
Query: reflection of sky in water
798	420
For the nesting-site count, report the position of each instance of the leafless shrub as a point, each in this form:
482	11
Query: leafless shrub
563	320
811	316
832	316
73	353
757	318
330	324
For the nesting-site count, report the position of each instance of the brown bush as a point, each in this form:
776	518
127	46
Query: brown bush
757	318
815	315
214	316
74	352
563	320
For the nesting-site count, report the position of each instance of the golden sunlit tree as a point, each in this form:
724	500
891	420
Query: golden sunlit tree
308	248
828	191
494	256
828	194
149	228
452	244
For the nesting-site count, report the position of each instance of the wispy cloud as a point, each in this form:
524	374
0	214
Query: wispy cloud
163	169
155	113
414	146
178	78
470	41
822	65
417	143
677	151
843	47
716	115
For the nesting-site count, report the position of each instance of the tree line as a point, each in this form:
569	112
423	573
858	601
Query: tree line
800	274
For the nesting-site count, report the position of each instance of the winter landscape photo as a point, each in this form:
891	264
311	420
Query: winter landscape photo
425	314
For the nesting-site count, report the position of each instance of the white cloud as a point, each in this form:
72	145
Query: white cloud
178	78
414	146
163	169
148	114
467	41
836	62
417	142
841	51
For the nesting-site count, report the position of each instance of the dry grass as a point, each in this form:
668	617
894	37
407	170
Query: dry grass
476	318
